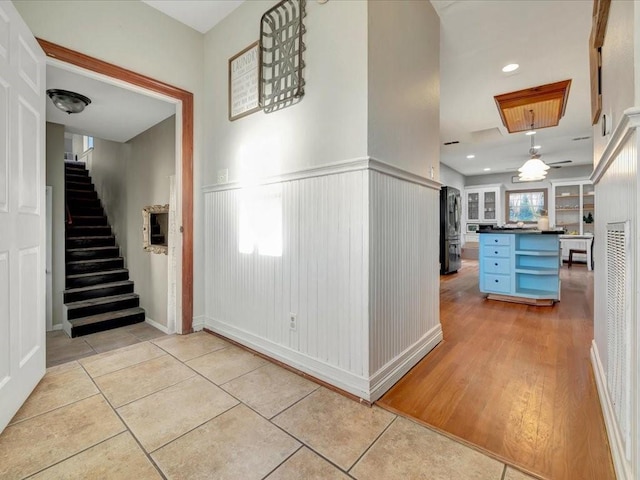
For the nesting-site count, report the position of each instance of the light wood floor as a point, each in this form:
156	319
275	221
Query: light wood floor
514	380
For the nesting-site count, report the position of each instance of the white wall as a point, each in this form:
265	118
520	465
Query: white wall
129	177
451	178
618	90
328	125
55	179
404	85
135	36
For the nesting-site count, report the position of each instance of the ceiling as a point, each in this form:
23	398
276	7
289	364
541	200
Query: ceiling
201	15
549	40
110	104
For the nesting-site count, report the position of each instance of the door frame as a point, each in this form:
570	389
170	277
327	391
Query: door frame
186	100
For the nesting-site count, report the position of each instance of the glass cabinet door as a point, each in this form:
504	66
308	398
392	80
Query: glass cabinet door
473	206
489	205
568	208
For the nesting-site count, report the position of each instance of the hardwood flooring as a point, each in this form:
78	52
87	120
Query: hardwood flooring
514	380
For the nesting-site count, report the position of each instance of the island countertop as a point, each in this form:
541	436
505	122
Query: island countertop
523	231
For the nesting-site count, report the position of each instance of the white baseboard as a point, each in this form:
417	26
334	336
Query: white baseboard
387	376
342	379
620	463
159	326
198	323
56	327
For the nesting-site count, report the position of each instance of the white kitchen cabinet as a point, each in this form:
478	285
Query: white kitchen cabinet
484	204
572	206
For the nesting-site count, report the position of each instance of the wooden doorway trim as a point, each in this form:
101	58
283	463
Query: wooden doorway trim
93	64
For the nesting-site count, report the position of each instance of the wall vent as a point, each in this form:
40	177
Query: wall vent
619	332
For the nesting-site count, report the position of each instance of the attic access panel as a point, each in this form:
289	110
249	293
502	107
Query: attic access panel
548	103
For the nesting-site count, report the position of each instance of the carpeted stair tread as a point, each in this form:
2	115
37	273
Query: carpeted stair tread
104	272
88	249
101	300
94	260
103	317
98	286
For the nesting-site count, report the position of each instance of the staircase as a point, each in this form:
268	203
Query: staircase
98	295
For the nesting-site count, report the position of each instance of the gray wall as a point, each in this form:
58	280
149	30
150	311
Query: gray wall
577	172
129	177
451	178
55	179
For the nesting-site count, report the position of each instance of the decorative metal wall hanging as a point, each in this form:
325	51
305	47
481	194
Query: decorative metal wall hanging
281	46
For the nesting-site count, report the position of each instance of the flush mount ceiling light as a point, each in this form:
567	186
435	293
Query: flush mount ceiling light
512	67
547	101
534	168
471	156
69	102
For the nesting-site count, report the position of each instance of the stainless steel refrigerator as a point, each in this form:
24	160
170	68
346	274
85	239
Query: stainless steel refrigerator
450	234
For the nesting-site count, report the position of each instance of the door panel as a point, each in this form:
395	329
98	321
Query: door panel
22	227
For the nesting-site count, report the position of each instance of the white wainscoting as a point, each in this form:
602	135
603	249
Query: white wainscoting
323	276
404	322
616	191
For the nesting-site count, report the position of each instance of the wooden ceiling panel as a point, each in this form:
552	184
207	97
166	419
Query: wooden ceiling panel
547	102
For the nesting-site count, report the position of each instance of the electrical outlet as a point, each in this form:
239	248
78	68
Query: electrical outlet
223	175
293	322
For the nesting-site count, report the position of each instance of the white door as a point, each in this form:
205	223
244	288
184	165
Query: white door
22	227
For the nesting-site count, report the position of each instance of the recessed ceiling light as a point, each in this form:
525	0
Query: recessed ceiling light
530	132
486	169
512	67
537	147
471	156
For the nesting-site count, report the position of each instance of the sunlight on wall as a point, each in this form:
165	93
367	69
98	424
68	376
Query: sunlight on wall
261	220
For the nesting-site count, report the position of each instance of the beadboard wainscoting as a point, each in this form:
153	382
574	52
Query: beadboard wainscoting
616	185
299	246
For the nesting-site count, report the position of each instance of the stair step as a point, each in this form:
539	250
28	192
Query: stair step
91	241
74	163
106	321
87	203
75	195
89	220
100	290
77	176
96	278
81	211
94	306
75	169
92	252
79	186
88	230
94	265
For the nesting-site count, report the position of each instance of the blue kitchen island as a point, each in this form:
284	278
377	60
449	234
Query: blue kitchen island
520	265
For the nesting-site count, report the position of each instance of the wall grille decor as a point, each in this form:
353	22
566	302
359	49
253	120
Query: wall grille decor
281	46
619	326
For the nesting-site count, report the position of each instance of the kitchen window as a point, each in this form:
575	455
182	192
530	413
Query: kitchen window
525	205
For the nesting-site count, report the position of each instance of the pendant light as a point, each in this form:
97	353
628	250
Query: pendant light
534	168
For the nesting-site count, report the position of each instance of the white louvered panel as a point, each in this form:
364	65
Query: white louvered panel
404	280
618	325
320	276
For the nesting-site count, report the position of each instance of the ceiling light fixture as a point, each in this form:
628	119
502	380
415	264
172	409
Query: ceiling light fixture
530	132
471	156
68	102
512	67
487	169
534	168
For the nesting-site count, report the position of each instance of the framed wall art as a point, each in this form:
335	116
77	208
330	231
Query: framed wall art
244	76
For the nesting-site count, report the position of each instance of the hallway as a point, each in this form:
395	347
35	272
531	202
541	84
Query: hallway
514	380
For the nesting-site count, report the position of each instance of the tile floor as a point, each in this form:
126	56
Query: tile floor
197	407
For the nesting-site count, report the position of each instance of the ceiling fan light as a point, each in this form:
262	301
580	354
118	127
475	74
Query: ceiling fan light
532	177
68	102
534	166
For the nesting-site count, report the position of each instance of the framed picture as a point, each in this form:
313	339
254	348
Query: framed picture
244	76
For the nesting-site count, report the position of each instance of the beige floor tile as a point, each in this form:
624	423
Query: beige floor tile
270	389
118	458
408	450
117	359
305	464
143	331
226	364
30	446
56	389
62	349
336	427
137	381
63	367
186	347
162	417
237	444
110	340
513	474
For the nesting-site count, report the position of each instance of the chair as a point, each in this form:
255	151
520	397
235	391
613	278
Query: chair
584	252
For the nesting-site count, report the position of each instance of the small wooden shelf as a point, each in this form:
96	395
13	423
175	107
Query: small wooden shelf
568	196
535	293
537	270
